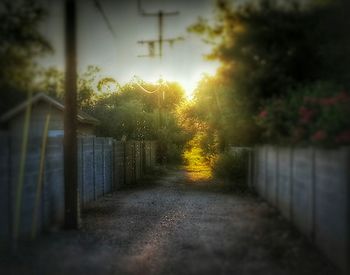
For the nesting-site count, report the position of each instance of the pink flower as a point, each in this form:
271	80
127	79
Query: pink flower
319	136
263	114
306	115
328	101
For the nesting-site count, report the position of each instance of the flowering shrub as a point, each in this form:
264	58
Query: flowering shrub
320	115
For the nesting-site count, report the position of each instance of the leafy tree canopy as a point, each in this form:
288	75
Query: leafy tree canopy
267	48
20	43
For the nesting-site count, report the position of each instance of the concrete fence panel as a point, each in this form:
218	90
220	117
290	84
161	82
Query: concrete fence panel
271	174
29	186
312	187
261	170
54	183
5	218
98	167
88	171
81	185
302	190
331	204
130	162
119	164
284	180
108	165
103	166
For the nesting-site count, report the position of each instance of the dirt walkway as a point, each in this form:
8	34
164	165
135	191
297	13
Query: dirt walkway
172	228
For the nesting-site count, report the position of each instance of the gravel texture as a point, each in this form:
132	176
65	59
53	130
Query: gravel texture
173	226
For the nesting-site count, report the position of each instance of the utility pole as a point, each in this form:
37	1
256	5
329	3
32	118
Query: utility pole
70	120
152	53
160	41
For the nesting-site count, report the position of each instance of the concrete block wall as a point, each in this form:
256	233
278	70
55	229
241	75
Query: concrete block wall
95	163
119	164
311	188
103	166
284	179
50	209
260	171
271	175
132	160
29	186
86	163
108	165
331	217
5	218
98	168
130	175
52	201
303	190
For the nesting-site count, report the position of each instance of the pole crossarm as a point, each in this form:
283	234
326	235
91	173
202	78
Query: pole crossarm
162	12
168	40
144	13
160	41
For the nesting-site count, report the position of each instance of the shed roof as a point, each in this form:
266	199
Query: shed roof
82	117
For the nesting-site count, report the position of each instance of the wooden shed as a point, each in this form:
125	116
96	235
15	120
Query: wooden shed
41	106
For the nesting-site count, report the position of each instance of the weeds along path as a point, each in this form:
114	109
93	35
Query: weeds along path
176	225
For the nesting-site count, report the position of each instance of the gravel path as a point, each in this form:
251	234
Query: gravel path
173	227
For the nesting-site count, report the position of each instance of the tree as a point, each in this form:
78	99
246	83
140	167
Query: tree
126	111
266	50
51	81
166	98
21	43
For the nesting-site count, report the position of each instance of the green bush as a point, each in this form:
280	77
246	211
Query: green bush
174	153
316	114
232	167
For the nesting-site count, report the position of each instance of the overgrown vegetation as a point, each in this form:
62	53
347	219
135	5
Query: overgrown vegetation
272	54
20	43
283	79
127	112
234	168
315	115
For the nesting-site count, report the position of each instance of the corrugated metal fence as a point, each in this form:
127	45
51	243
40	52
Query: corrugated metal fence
104	165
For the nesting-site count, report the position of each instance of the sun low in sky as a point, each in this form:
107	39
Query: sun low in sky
109	31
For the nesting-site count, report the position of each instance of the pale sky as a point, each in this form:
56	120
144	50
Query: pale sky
118	57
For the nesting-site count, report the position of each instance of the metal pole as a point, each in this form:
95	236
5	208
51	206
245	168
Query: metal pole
70	120
160	14
160	29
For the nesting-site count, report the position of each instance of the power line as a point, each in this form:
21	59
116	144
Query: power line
105	18
161	84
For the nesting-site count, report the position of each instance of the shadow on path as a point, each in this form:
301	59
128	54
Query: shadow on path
177	225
